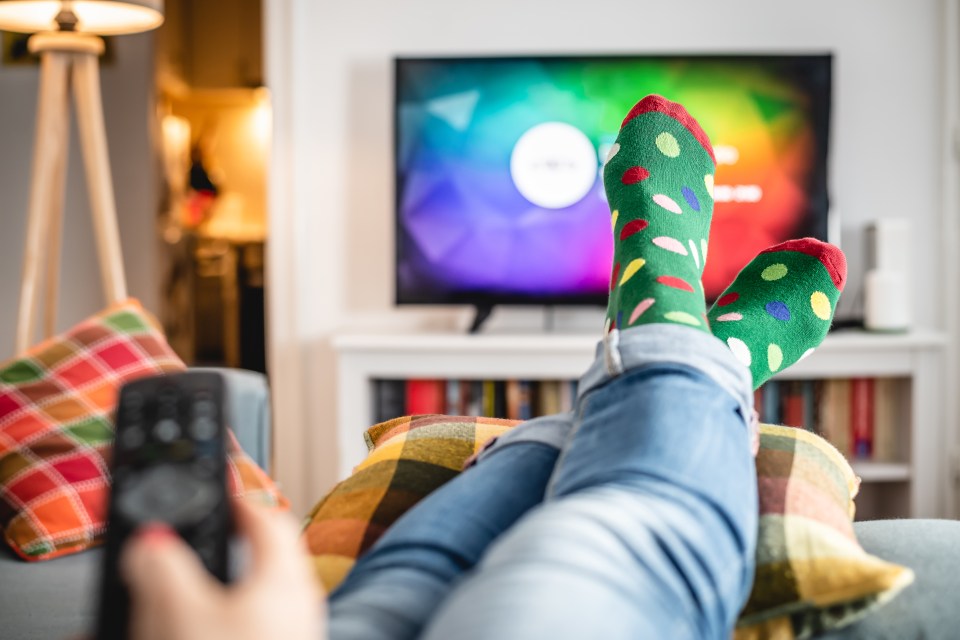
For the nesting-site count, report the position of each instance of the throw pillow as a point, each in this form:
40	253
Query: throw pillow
811	572
56	431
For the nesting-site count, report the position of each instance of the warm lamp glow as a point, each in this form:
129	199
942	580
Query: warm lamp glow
101	17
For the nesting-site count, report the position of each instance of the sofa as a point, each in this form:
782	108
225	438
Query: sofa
56	599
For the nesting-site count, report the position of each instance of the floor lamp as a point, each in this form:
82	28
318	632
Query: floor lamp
68	43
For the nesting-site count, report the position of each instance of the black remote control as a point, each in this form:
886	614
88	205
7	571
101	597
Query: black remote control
169	466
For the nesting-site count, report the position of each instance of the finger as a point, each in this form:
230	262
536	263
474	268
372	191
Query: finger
161	569
274	537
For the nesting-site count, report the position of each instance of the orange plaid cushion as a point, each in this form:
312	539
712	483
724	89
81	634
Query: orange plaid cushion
56	431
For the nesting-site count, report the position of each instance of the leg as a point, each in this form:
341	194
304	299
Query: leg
49	154
650	528
397	586
650	524
93	140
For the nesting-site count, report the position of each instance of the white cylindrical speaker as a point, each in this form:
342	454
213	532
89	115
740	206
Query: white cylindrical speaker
886	301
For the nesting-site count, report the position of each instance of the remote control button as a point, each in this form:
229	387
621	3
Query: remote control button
182	450
167	410
167	494
132	436
203	429
166	430
204	409
205	467
133	400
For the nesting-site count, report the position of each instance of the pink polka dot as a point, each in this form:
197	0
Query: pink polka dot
667	203
730	317
639	309
670	244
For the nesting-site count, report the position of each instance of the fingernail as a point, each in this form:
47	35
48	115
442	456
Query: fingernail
156	533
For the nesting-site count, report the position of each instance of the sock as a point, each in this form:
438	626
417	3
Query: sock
779	308
659	183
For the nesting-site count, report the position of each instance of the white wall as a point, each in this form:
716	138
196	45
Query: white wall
329	64
127	83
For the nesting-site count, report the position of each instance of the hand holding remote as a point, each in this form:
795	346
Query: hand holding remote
174	598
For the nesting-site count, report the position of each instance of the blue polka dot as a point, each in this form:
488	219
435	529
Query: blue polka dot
691	198
619	319
778	310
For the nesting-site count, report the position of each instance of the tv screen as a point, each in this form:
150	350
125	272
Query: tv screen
499	190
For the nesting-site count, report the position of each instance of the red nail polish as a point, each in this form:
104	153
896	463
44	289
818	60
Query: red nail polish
156	533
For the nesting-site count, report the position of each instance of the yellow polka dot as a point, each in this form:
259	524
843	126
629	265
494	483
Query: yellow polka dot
668	145
682	317
821	305
774	357
631	269
708	181
613	219
774	272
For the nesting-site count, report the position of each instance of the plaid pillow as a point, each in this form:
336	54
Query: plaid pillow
56	431
409	458
811	573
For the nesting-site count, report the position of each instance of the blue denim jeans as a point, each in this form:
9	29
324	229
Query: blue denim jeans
633	517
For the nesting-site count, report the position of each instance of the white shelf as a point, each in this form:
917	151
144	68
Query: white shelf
842	354
917	486
881	471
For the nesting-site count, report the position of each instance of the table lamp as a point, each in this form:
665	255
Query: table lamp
68	43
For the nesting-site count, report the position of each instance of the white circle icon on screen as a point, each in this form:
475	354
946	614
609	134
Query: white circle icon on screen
554	165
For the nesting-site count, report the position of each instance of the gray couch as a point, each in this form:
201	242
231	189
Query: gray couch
55	599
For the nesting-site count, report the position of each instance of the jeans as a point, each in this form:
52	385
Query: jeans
633	517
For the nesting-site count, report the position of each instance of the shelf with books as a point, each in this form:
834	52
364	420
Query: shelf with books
510	399
895	381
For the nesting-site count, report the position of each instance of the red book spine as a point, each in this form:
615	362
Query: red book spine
425	396
861	416
793	405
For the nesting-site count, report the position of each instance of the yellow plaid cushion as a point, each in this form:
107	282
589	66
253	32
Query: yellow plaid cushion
811	573
56	431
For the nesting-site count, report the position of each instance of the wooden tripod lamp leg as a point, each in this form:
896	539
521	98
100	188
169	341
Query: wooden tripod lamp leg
48	154
55	233
93	140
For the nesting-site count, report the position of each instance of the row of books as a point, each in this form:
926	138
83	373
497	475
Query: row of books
511	399
863	417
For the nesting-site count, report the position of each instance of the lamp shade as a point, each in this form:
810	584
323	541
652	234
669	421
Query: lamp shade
101	17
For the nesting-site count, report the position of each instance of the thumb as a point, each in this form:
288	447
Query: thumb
160	568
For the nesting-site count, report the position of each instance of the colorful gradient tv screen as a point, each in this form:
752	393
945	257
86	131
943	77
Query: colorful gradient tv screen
499	190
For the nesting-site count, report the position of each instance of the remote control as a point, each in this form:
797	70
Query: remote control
169	466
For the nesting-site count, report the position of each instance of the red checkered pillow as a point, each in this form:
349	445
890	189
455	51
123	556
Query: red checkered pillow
56	431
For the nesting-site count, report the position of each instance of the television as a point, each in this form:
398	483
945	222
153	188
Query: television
499	160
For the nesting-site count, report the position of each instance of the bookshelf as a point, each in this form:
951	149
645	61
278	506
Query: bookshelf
912	485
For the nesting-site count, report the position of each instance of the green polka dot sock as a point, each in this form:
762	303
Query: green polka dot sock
779	308
659	182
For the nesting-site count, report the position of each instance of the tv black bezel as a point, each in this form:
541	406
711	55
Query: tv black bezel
483	300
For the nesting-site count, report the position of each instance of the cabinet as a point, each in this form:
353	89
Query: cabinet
914	485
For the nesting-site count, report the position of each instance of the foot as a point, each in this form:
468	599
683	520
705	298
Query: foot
659	182
779	308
